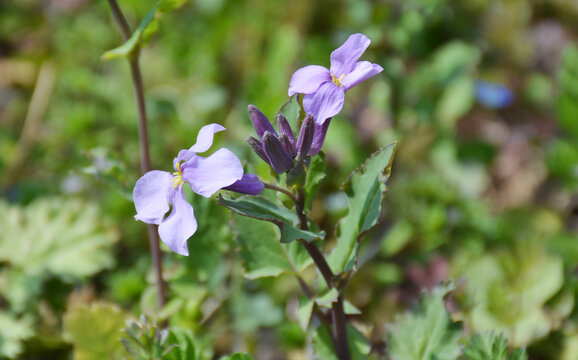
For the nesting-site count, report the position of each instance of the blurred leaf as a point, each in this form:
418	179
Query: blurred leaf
509	292
323	346
134	42
305	311
457	99
490	346
95	332
426	331
58	236
253	311
263	255
567	105
263	209
315	174
365	189
13	332
238	356
185	346
169	5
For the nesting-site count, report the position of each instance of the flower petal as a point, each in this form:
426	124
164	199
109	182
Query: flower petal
343	59
180	225
308	79
363	70
325	103
204	142
151	196
205	137
207	175
319	137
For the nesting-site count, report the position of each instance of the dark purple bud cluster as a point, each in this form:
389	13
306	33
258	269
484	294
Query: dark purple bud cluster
280	150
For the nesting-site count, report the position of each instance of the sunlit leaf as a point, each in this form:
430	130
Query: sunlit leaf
134	42
262	253
95	332
426	331
56	236
365	190
490	346
13	331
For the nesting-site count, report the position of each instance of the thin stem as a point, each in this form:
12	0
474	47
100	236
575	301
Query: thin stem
339	320
144	146
340	326
281	190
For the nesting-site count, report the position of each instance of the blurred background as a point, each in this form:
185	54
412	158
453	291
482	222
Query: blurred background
481	95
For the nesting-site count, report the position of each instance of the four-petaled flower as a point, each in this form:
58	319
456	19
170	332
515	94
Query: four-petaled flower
155	190
324	88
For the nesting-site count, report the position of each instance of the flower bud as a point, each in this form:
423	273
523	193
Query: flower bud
248	184
285	129
257	147
306	136
278	157
287	145
260	122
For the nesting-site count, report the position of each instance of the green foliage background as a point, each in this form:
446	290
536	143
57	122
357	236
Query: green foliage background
486	197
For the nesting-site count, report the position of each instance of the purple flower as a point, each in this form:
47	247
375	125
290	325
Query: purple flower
324	88
156	190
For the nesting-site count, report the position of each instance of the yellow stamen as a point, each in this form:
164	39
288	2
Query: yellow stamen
178	179
337	81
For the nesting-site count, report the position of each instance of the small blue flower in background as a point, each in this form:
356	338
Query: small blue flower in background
156	190
493	95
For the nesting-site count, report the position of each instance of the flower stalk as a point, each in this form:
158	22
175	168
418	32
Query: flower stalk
144	146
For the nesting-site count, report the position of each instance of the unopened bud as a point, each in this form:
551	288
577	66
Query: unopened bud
248	184
306	135
285	129
260	121
278	157
257	147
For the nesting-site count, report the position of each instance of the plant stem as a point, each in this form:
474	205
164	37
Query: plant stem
339	320
281	190
144	145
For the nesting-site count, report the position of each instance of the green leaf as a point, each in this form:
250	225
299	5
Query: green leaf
263	255
13	332
95	332
184	348
509	292
365	190
305	312
490	346
315	173
323	346
426	331
134	42
457	99
169	5
56	236
263	209
238	356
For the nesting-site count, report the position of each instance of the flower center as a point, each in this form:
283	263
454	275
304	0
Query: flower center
178	179
337	81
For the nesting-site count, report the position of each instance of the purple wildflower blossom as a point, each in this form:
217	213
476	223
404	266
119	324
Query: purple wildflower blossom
156	190
324	88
